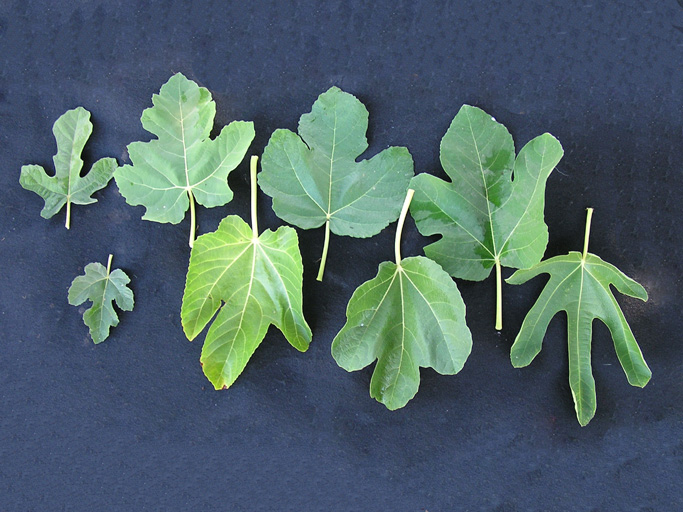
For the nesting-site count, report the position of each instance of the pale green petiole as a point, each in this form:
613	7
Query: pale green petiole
253	165
589	216
326	245
67	224
499	297
399	227
193	221
111	257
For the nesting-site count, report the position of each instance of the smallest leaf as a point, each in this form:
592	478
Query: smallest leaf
102	287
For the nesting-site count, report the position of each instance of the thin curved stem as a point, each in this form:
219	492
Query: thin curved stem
111	257
326	245
399	227
253	166
589	216
193	220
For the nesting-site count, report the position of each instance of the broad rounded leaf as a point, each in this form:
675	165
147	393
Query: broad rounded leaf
580	286
257	281
103	288
72	130
409	316
183	160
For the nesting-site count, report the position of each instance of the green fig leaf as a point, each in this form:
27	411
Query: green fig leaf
252	281
72	130
579	285
491	213
314	178
410	315
182	164
103	287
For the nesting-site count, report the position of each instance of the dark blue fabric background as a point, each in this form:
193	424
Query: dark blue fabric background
132	424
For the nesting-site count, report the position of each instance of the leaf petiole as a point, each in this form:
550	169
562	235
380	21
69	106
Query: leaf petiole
253	165
589	216
499	297
326	245
67	224
399	227
111	257
193	221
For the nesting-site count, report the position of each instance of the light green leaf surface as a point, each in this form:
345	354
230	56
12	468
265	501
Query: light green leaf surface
580	286
256	279
103	287
410	316
72	130
314	178
491	213
183	164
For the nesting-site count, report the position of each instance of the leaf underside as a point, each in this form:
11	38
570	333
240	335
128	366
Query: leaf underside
581	288
314	177
182	160
483	215
103	289
71	131
252	283
407	317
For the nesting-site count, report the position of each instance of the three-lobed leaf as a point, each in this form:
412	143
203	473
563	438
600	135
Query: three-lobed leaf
103	287
72	130
579	285
253	281
314	178
183	163
410	315
491	213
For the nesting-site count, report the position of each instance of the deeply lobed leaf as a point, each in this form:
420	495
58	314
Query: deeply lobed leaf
183	160
103	289
580	286
72	130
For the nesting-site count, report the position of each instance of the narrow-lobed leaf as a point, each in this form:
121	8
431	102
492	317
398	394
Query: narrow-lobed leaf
410	316
183	164
103	287
580	286
72	130
258	281
314	178
491	213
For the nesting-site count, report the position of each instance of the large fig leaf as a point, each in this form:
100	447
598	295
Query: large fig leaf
314	178
254	280
103	287
183	164
72	130
410	316
580	285
491	214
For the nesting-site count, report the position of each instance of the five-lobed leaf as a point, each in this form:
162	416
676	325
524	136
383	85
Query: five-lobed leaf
579	284
183	164
72	130
257	279
314	178
491	213
103	287
410	315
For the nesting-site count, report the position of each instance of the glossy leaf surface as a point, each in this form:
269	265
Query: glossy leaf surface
103	287
72	130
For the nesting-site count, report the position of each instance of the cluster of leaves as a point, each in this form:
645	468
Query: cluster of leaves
411	314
